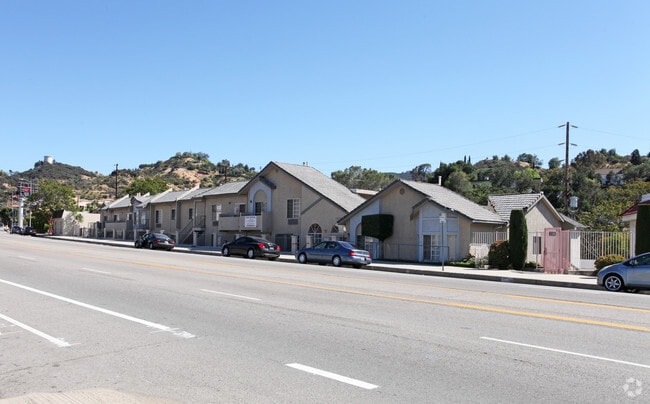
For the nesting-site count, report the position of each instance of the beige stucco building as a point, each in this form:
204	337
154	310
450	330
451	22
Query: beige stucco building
430	223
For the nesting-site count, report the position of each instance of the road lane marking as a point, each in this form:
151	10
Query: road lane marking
333	376
56	341
229	294
159	327
212	263
567	352
402	298
97	271
414	300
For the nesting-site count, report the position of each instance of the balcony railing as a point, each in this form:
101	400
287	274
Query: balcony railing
239	223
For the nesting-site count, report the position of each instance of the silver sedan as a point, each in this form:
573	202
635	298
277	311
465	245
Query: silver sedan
630	275
336	253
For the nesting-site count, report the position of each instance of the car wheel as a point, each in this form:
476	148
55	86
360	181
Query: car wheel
613	283
250	253
226	252
302	258
336	261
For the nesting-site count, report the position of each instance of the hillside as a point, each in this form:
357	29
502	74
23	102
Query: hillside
184	170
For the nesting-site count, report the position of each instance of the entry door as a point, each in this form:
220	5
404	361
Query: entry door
552	250
451	247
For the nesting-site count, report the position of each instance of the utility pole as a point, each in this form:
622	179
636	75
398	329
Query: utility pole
566	166
116	182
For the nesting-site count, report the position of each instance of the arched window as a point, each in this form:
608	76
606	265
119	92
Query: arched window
316	233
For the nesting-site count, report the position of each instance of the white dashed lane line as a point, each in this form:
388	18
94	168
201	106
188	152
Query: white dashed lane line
333	376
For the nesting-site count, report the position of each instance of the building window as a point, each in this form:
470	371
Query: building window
115	218
293	208
537	245
240	209
173	215
191	213
259	207
316	233
157	217
216	212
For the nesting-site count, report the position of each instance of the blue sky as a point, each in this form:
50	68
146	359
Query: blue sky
386	85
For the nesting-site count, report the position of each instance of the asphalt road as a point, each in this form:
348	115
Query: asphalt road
202	329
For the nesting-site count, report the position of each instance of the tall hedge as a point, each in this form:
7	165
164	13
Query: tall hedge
642	244
518	239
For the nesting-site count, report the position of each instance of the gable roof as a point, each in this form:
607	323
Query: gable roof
170	196
454	201
441	196
504	204
318	182
225	189
123	202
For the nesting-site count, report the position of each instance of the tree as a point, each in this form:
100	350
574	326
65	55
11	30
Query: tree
642	244
635	157
554	163
639	172
151	185
51	196
458	182
531	159
518	239
421	173
605	215
356	177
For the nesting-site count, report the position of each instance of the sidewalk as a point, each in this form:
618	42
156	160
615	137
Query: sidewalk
511	276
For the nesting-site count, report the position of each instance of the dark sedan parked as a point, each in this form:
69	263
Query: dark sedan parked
16	230
629	275
251	247
28	231
155	241
335	252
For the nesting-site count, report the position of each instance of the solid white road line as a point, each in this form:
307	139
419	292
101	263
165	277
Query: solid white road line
160	327
97	271
333	376
41	334
229	294
568	352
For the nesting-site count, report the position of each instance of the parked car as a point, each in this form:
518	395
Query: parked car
28	231
16	230
335	252
155	241
251	247
629	275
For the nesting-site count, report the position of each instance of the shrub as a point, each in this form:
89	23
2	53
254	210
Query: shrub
467	262
606	260
498	255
